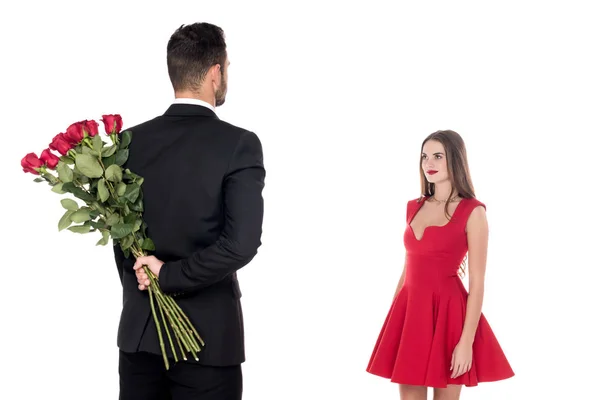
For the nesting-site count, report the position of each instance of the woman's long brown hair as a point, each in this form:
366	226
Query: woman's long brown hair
458	170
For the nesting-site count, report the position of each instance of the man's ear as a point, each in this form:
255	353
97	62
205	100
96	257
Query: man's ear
215	71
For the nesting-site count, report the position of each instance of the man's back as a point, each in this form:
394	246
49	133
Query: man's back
202	194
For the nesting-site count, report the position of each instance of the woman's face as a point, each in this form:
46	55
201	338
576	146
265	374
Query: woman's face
434	162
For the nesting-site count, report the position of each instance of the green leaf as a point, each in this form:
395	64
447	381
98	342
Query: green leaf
87	150
114	173
108	161
121	188
97	143
80	228
67	160
58	188
98	224
81	215
122	156
48	177
39	180
132	192
81	178
105	237
126	253
65	220
126	242
125	139
70	187
138	205
83	195
88	165
97	206
113	219
130	218
65	173
119	231
148	244
109	151
103	193
94	214
69	204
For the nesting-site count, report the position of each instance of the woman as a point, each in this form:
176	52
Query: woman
434	334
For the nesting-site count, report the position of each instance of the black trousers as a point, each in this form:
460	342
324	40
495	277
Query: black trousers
142	376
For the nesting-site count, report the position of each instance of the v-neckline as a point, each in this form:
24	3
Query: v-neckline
430	226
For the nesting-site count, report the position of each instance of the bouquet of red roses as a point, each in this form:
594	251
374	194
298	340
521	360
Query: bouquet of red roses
92	171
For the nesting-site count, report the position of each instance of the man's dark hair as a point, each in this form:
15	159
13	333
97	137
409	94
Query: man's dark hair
191	51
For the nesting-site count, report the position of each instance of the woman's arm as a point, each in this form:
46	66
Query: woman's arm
477	236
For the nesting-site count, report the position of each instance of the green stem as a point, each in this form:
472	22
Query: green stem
109	184
138	252
188	340
160	338
180	347
176	306
179	333
162	315
182	322
183	329
81	186
175	333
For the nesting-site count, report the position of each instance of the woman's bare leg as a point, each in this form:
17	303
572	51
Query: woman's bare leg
410	392
452	392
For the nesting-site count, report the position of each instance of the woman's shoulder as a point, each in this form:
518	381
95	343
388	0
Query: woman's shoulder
412	206
471	208
415	202
473	202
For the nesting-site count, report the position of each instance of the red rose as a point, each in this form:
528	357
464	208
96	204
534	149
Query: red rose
91	127
113	123
61	144
31	161
74	133
49	159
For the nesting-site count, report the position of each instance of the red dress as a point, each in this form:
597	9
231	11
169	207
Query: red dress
426	318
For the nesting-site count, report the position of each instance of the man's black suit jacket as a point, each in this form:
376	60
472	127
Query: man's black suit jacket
203	205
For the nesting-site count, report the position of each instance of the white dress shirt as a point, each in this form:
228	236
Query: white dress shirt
187	100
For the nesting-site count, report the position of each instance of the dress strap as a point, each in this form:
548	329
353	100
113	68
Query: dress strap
464	210
412	207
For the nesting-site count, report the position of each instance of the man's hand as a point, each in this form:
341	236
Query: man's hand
154	265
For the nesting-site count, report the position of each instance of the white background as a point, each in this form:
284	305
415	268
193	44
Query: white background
341	96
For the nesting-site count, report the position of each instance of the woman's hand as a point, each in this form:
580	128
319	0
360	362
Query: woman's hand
462	359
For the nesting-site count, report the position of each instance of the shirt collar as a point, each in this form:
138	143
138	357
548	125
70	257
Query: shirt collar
198	102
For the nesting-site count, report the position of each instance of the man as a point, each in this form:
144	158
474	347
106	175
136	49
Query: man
203	182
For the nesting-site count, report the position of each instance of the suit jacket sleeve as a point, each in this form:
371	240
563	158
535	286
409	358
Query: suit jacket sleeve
241	236
119	259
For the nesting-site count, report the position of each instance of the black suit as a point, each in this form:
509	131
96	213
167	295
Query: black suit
203	182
